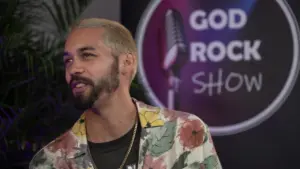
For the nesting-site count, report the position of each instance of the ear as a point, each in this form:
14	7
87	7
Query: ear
127	63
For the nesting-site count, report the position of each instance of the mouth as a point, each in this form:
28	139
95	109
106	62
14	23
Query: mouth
78	87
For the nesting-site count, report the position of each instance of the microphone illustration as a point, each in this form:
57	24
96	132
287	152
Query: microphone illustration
176	56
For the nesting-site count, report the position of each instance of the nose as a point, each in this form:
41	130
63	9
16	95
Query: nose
76	68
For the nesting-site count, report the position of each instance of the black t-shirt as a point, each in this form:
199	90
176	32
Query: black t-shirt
110	155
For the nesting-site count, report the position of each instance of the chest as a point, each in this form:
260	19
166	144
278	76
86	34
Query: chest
143	156
115	156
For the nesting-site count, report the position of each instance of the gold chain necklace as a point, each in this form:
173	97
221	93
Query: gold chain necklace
130	146
128	151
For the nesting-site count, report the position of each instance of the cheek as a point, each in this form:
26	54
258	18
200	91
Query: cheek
67	77
99	70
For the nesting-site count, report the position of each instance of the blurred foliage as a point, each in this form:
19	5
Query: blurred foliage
31	70
33	92
31	63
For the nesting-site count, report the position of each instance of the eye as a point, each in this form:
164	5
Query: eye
66	61
87	55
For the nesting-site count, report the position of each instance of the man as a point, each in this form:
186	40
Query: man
117	131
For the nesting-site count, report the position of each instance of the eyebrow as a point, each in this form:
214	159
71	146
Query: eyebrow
80	50
85	48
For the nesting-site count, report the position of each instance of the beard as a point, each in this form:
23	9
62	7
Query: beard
107	84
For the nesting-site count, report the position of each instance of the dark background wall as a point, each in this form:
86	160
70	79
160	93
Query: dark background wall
274	144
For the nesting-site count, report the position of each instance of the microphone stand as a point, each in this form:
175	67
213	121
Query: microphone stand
176	56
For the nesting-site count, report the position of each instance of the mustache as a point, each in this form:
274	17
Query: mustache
80	79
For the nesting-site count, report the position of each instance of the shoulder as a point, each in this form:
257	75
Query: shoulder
48	155
194	138
182	119
184	136
186	122
170	114
191	131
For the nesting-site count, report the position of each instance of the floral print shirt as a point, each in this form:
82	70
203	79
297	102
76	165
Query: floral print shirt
169	140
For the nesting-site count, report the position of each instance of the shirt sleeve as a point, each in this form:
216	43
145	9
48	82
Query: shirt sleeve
211	159
205	155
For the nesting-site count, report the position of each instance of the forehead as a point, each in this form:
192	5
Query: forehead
84	37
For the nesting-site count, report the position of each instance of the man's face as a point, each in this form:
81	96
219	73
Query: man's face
91	70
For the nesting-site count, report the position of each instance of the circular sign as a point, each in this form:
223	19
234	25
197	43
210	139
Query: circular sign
229	62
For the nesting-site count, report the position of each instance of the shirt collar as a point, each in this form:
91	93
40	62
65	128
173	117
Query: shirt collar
149	117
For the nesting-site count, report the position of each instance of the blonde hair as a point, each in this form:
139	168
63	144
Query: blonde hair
115	36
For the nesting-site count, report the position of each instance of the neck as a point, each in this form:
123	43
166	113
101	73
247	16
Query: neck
111	117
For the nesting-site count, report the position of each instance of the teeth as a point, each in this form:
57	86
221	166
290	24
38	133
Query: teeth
80	85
